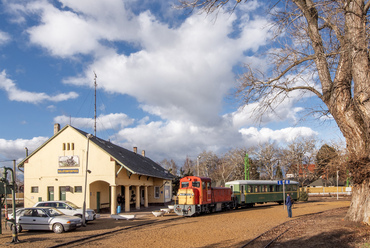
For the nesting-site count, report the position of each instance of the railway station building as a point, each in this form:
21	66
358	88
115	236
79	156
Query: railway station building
71	158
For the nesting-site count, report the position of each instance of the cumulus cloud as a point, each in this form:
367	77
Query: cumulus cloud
264	135
4	38
15	149
16	94
104	122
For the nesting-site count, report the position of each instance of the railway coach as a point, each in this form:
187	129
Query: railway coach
247	193
196	196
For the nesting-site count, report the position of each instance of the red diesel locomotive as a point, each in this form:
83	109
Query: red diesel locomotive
196	196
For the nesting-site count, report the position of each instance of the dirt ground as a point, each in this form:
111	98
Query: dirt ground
316	223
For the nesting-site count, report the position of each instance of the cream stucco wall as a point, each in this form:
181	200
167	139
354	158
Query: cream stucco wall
41	170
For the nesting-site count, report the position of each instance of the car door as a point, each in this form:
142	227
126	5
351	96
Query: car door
34	219
25	219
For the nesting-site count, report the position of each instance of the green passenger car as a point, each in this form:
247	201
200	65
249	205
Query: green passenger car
249	192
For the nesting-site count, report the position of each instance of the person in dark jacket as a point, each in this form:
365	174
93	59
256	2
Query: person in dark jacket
288	203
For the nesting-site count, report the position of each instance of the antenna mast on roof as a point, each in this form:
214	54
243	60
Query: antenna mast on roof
95	85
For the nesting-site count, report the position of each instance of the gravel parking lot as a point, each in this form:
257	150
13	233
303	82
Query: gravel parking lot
227	229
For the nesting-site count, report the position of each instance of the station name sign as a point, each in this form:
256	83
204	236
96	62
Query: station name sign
67	171
281	182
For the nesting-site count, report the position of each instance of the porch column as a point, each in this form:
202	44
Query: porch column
146	196
113	199
137	197
127	198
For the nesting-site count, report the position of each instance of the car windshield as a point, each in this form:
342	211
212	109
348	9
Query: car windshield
72	204
53	212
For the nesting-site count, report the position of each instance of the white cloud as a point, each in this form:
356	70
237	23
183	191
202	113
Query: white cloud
180	74
263	135
104	122
4	38
15	149
16	94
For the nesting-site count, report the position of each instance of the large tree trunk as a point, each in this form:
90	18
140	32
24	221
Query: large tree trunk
358	145
360	204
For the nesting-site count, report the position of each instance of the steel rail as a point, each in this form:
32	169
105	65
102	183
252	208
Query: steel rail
111	232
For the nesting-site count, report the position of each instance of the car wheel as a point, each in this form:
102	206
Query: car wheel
58	228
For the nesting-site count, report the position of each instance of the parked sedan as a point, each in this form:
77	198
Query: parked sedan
69	208
45	218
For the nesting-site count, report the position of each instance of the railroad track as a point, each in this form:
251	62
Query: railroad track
268	238
80	241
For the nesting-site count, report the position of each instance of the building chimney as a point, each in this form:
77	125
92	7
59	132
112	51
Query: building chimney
56	128
135	149
143	153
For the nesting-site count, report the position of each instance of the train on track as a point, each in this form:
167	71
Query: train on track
196	196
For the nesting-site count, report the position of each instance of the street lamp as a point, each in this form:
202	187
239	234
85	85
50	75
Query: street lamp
198	164
337	184
87	171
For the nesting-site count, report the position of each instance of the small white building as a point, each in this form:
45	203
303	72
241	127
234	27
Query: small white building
57	170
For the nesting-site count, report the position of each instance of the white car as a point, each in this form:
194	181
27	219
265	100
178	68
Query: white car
44	218
69	208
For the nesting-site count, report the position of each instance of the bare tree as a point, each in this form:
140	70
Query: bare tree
323	49
189	168
208	164
170	166
297	157
231	166
267	155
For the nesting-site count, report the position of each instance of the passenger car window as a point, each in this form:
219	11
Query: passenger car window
62	206
28	213
41	213
20	213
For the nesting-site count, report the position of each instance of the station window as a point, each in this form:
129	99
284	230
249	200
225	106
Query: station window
34	189
78	189
156	192
64	146
72	146
68	146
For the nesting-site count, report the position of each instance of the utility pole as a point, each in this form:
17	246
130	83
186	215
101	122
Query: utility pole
95	85
246	167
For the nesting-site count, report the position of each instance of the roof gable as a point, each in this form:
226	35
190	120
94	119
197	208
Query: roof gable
133	162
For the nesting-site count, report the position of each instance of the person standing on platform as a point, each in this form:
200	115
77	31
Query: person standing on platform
119	201
288	203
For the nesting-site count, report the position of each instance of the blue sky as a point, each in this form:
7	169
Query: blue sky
165	77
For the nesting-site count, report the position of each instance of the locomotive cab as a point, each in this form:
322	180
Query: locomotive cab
196	196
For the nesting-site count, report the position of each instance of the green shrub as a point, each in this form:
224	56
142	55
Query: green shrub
303	196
